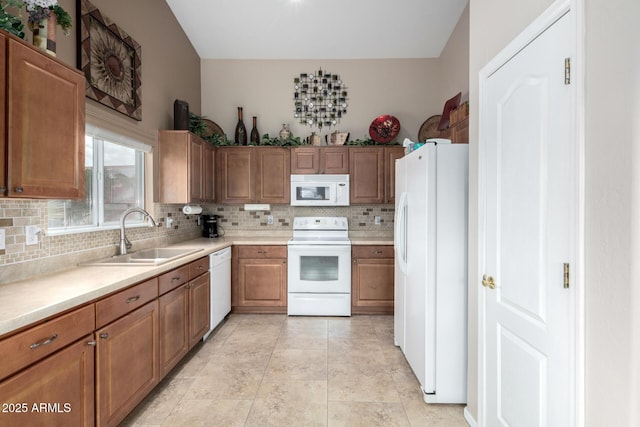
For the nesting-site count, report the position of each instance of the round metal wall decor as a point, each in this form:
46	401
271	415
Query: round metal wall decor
320	99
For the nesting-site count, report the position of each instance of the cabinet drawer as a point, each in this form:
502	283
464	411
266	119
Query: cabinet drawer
262	251
173	279
198	267
109	309
377	251
35	343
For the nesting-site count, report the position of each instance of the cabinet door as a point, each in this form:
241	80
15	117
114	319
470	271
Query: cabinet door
234	179
127	363
45	135
262	282
366	170
460	132
3	129
209	173
372	277
334	160
199	308
196	170
391	155
174	327
61	387
273	166
305	160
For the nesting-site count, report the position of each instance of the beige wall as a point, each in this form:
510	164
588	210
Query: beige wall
170	65
611	249
612	212
454	60
408	89
170	70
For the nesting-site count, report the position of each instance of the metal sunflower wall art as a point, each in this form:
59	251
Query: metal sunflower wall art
110	60
319	98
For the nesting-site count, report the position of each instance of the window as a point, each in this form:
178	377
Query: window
114	182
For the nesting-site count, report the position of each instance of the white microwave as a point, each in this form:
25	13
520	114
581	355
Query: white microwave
319	190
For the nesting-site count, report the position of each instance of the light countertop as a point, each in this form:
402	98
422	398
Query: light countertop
29	301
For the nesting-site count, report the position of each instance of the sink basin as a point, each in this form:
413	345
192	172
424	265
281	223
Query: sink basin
153	256
160	254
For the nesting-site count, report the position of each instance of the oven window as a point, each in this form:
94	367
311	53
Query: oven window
312	193
319	268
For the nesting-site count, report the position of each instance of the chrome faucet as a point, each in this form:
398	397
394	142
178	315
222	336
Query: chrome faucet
125	244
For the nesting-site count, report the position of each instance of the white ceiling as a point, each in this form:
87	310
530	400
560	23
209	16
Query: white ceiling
317	29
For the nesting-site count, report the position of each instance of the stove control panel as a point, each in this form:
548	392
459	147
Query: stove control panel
320	223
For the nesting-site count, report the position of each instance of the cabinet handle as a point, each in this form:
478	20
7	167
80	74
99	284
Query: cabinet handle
3	188
175	279
378	252
18	189
188	286
92	343
104	336
132	299
200	267
355	261
45	342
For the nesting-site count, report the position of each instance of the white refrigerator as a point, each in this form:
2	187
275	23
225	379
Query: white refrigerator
430	240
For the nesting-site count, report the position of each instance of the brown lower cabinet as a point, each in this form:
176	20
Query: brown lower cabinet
94	364
127	367
174	327
372	279
57	391
184	319
259	279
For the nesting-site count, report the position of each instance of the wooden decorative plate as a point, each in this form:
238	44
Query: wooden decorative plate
429	128
212	128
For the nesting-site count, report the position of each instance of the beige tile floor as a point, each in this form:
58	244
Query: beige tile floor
274	370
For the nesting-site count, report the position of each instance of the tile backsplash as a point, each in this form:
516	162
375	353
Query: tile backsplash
19	261
234	220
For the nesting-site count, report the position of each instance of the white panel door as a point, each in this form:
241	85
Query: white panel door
528	184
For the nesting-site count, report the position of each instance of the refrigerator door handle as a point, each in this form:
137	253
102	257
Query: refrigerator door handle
400	235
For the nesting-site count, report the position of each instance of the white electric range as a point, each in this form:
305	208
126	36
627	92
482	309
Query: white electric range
319	272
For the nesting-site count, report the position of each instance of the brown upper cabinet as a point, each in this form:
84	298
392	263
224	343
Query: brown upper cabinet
186	168
320	160
253	175
372	174
391	154
43	117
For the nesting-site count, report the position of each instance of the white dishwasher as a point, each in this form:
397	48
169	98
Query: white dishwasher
220	272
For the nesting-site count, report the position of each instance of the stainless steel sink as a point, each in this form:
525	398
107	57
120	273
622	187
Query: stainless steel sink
153	256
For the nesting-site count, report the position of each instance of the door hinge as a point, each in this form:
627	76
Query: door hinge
566	275
567	71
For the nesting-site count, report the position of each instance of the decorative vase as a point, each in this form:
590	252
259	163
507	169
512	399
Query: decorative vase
241	130
285	133
44	34
255	135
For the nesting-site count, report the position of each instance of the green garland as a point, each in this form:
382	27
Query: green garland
198	127
8	22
